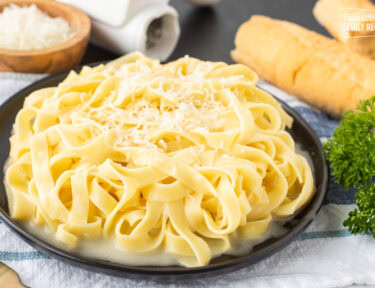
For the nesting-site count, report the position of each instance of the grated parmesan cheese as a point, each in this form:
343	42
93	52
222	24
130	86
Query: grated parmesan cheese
158	107
28	28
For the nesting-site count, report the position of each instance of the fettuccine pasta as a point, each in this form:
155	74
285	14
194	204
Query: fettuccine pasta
180	158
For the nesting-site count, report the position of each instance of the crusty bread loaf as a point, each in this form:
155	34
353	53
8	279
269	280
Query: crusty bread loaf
316	69
329	14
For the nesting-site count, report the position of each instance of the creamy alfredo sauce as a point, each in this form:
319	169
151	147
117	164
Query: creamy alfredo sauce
105	249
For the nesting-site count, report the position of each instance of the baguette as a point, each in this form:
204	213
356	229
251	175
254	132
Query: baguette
328	14
316	69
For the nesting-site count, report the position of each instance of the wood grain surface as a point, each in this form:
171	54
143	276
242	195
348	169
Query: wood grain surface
9	278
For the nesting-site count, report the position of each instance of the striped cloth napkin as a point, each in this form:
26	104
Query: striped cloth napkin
324	256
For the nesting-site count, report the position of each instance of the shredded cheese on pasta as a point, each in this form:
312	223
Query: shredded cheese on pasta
180	157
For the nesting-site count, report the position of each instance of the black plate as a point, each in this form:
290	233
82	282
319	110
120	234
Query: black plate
302	133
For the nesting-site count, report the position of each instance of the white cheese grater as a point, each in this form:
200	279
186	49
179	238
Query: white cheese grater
149	26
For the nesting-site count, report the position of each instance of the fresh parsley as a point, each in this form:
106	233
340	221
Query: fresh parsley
351	153
362	220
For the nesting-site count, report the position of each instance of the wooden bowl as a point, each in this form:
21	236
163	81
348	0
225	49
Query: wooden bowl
57	58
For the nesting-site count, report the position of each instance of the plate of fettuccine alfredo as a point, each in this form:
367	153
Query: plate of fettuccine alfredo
138	168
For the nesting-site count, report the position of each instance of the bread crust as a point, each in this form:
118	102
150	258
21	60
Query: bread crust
316	69
328	14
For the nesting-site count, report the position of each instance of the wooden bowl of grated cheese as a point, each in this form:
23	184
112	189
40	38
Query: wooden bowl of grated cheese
41	36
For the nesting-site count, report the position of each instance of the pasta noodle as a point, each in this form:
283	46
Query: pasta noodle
182	157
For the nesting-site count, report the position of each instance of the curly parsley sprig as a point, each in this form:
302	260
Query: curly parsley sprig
351	153
363	219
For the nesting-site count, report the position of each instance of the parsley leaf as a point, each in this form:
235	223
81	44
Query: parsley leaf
351	153
363	219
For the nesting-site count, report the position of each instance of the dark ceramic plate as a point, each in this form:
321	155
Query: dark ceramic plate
302	134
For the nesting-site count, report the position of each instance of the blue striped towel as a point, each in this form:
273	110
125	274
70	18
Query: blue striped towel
326	255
